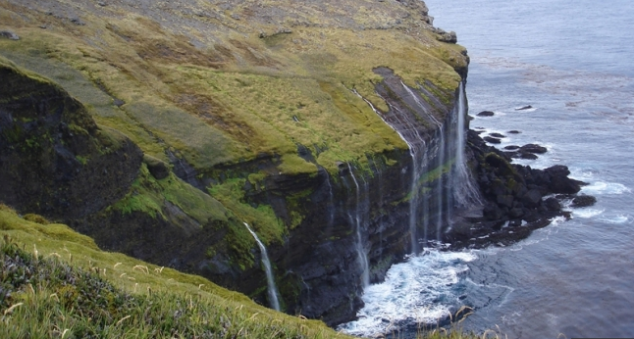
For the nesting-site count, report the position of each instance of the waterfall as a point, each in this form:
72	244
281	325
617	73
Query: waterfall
465	192
457	188
362	256
416	146
272	289
440	195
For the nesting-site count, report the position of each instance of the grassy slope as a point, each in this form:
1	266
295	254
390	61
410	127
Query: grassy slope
58	293
56	283
215	93
216	90
239	96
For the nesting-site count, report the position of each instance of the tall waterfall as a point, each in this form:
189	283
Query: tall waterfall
417	151
272	289
464	191
358	219
457	188
440	188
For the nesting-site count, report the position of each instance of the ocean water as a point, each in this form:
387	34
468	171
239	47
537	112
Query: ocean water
572	62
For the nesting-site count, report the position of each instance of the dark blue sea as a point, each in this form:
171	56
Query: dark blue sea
573	62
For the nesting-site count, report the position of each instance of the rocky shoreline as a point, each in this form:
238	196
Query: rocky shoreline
517	199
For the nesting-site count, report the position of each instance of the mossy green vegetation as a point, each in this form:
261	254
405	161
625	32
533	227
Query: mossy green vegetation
148	195
57	283
228	101
261	217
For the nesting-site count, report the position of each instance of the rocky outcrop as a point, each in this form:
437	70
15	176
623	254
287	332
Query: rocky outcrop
54	160
341	164
518	199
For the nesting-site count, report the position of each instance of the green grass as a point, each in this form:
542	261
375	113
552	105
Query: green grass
56	283
240	96
262	218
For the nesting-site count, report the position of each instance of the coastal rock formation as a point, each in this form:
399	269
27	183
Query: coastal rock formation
517	198
335	129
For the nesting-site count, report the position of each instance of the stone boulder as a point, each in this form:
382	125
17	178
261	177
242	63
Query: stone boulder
583	201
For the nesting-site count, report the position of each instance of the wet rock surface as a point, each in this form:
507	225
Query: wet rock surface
517	199
486	114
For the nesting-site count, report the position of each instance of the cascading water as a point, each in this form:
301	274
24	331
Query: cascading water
362	256
464	191
272	289
417	151
412	290
440	189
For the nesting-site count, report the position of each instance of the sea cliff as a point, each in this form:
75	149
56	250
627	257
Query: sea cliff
335	129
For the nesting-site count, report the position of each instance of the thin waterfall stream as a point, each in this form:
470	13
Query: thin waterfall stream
272	289
360	248
412	289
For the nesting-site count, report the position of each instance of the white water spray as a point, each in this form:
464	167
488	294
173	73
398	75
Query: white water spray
465	192
362	256
417	148
272	289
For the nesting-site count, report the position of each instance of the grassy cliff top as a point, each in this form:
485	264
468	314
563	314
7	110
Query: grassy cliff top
219	82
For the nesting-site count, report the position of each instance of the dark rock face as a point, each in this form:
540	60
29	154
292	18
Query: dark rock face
492	140
513	194
583	201
82	169
54	160
157	168
533	148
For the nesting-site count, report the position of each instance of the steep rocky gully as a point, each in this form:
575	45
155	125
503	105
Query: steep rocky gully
343	165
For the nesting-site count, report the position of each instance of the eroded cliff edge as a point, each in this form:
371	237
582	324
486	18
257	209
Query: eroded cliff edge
162	127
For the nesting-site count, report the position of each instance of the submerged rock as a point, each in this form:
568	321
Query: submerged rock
492	140
486	114
533	148
497	135
583	201
514	203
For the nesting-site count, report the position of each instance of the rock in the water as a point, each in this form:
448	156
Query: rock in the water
559	181
552	204
512	147
9	35
528	156
497	135
524	108
583	201
514	132
533	148
492	140
486	114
